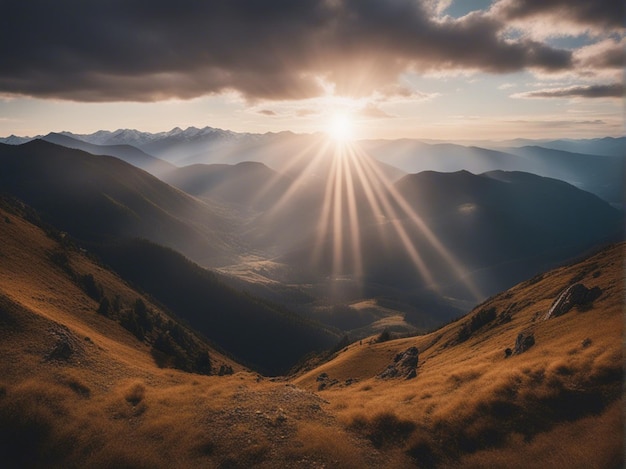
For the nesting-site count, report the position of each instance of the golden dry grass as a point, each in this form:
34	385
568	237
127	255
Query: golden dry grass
468	399
108	405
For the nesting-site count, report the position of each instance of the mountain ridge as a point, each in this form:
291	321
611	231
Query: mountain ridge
92	196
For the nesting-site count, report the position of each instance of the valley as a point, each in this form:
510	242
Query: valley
325	226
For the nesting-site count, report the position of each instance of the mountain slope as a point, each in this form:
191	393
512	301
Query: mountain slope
79	390
414	156
263	335
558	403
461	235
248	184
45	278
601	175
106	404
125	152
606	146
97	197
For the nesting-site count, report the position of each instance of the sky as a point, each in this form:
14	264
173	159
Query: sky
429	69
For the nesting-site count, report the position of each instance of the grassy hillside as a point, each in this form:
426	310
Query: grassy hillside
106	403
558	404
79	390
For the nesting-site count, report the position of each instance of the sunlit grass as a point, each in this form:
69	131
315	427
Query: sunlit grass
557	405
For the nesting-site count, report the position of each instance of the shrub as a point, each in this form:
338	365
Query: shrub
143	317
105	307
129	322
135	393
384	336
384	429
483	317
89	286
60	258
117	304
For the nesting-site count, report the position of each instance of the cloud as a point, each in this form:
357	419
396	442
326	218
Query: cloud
267	112
544	124
371	111
613	90
606	54
589	14
130	50
306	112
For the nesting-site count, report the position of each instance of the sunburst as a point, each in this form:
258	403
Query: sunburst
341	127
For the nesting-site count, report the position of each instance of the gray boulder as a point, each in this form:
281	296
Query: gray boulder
574	295
404	365
523	342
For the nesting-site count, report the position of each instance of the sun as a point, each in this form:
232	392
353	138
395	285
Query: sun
341	128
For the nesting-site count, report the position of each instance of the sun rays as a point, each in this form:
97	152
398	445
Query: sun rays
353	212
355	184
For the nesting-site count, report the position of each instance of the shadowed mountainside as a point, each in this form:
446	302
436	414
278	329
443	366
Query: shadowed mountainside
490	231
263	335
248	184
98	197
126	153
601	175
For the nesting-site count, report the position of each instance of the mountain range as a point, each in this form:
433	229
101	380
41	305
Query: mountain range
329	228
595	165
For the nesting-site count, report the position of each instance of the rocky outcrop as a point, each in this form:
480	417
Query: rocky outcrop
324	381
404	365
574	295
225	370
523	342
66	344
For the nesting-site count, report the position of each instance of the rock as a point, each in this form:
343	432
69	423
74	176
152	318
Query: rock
62	351
404	365
523	342
390	372
508	352
586	343
324	381
574	295
66	344
225	370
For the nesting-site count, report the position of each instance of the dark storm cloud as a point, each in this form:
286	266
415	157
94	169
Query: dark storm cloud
144	51
592	13
613	90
